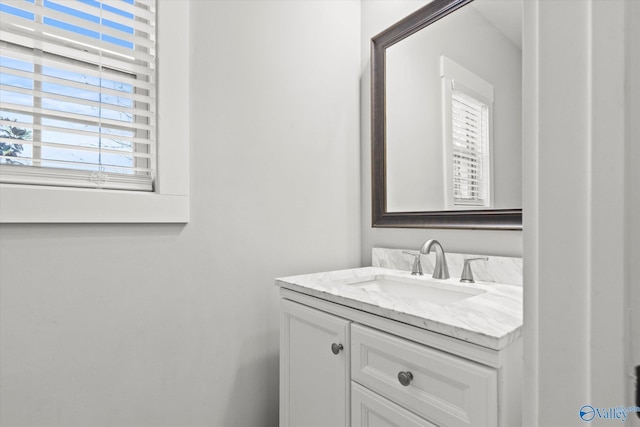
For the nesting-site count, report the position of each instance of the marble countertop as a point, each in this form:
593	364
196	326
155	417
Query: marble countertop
492	319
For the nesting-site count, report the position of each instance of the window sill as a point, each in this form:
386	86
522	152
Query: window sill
39	204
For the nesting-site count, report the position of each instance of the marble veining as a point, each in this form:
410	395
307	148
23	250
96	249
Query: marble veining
505	270
492	319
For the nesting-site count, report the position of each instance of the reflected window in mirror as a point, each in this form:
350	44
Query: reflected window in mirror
467	102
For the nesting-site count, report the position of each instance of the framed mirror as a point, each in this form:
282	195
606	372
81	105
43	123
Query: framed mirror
447	117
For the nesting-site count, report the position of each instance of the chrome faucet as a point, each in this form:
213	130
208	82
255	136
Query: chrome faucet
440	271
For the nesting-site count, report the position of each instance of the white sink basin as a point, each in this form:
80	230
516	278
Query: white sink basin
416	289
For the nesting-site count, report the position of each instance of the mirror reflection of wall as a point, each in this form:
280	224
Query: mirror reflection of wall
427	168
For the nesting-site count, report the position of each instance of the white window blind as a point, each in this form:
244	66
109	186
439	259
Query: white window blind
77	93
470	147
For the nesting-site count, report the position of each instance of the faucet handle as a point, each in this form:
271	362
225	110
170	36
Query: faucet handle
467	274
417	265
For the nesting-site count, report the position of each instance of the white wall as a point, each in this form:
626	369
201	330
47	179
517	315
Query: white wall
165	325
632	190
375	17
574	245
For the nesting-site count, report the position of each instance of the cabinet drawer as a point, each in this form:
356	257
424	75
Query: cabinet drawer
369	409
444	389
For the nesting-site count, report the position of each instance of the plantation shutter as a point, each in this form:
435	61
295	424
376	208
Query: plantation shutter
470	118
77	94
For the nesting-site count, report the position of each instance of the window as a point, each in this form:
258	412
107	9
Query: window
77	93
468	105
123	160
470	149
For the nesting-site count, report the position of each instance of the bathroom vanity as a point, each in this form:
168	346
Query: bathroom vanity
379	347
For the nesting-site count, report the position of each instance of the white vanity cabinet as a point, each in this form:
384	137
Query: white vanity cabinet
388	373
314	368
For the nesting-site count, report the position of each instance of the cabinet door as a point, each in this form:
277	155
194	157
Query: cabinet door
369	409
314	381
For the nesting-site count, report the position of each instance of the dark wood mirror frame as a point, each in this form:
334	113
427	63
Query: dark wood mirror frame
490	219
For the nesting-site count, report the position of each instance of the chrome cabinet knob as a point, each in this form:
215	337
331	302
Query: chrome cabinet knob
405	378
336	348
